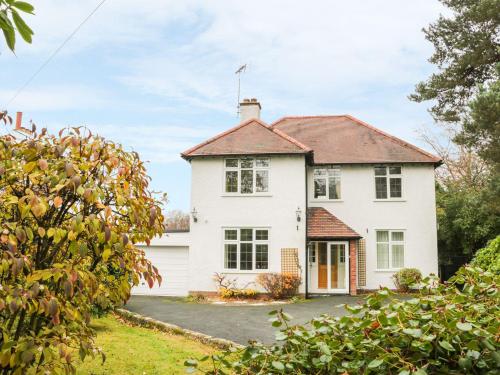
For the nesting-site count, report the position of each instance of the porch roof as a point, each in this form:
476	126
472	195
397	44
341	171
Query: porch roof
321	224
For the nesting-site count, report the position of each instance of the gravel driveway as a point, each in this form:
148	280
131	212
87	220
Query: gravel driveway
237	323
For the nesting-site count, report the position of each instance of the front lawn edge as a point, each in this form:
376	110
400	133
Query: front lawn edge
145	321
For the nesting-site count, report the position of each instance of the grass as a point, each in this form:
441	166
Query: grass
136	350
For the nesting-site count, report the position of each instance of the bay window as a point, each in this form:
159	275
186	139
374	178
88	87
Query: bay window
246	176
390	249
326	183
246	249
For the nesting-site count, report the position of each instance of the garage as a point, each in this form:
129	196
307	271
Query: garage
170	254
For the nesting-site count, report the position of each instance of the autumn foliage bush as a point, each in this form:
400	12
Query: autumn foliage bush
279	285
450	328
72	206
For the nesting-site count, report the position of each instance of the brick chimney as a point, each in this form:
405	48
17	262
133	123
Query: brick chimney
249	108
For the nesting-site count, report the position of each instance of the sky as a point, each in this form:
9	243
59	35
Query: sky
158	76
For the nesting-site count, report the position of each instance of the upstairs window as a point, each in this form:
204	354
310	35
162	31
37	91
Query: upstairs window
388	182
246	249
390	249
327	183
246	176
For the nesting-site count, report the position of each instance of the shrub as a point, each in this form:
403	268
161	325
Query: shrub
449	328
488	258
238	293
71	209
407	279
279	285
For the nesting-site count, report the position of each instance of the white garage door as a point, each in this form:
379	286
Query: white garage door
172	264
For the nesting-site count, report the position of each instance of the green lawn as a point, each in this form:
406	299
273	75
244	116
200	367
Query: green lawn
136	350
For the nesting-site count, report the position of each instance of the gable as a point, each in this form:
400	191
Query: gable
345	139
252	137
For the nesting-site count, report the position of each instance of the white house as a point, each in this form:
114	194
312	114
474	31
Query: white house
332	198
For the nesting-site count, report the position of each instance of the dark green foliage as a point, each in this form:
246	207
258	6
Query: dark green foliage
466	52
468	218
407	279
488	258
448	329
481	130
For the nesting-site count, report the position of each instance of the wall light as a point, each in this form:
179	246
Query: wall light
194	214
298	213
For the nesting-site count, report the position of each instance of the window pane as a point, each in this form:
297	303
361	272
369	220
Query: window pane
262	163
319	188
320	172
230	255
231	181
381	187
380	171
246	234
397	236
245	256
395	170
334	172
230	234
334	188
382	256
382	236
261	258
232	163
261	234
397	256
246	181
395	185
246	163
261	181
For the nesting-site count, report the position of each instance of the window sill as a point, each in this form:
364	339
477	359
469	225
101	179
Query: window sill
237	272
392	270
247	195
390	200
326	200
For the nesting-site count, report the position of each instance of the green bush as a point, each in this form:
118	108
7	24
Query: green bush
407	279
450	328
488	258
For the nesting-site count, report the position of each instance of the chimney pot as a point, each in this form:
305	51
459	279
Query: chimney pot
249	108
19	120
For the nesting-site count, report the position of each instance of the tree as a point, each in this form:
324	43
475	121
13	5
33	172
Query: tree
481	130
177	220
11	21
467	52
72	206
468	209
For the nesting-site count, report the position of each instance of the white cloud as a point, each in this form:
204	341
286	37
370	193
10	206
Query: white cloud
57	97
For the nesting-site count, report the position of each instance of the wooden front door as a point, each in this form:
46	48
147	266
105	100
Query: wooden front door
322	265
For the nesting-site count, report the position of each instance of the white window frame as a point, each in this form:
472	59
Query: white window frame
326	178
254	177
390	243
388	181
254	249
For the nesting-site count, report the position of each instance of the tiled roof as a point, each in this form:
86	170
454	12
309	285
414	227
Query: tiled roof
250	137
345	139
322	224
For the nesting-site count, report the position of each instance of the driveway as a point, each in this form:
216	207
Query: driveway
237	323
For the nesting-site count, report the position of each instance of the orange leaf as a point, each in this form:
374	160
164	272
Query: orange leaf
58	201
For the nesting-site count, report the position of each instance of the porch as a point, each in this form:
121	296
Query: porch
331	254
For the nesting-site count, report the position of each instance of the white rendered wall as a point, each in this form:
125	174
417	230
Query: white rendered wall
415	213
217	210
